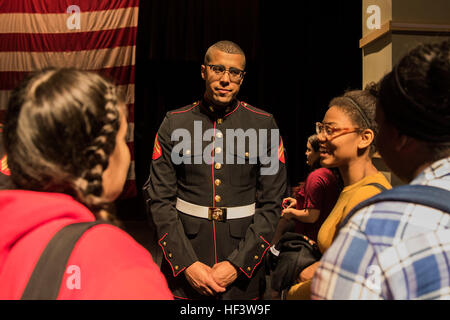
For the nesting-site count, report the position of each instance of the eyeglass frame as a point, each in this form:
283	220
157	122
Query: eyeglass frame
242	73
334	129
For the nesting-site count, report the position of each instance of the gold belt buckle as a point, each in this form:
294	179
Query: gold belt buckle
218	214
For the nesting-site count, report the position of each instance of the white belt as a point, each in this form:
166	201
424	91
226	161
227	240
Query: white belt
217	213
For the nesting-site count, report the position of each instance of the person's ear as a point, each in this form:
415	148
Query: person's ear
404	143
242	80
398	139
203	71
367	137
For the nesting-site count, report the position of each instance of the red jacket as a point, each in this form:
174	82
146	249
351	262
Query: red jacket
109	263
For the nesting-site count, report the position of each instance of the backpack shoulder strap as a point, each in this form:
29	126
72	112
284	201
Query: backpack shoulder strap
48	273
429	196
377	185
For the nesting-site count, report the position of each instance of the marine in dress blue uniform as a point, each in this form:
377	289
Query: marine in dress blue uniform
240	206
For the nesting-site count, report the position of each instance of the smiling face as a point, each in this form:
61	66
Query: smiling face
341	147
220	90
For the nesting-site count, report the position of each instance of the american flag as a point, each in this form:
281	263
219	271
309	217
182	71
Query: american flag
95	35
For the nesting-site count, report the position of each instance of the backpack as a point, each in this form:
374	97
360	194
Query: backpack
429	196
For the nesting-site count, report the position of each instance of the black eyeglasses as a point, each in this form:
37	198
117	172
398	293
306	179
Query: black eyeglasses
235	73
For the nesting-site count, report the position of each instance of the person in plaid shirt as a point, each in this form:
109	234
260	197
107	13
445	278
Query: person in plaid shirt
398	250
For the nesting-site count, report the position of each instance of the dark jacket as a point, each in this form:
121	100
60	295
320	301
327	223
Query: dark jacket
185	239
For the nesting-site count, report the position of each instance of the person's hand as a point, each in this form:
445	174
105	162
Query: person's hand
224	273
288	213
289	202
308	272
200	278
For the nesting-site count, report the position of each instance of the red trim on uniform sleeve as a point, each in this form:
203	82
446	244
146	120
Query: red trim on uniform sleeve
267	248
164	252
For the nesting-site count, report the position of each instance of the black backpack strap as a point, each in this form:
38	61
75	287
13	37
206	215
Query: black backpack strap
377	185
48	273
429	196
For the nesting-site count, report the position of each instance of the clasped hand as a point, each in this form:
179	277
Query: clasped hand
210	281
289	205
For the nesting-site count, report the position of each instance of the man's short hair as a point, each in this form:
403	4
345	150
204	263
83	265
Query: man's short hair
224	46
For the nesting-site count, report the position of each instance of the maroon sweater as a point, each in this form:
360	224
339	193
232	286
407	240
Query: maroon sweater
320	192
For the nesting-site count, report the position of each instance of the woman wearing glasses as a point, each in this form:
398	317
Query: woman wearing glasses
347	141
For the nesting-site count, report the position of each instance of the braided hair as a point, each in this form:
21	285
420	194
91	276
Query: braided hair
60	129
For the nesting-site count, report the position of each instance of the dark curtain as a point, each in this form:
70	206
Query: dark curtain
300	54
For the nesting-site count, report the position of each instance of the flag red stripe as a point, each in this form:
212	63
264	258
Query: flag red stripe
129	190
102	32
130	145
76	41
130	108
9	80
119	75
52	6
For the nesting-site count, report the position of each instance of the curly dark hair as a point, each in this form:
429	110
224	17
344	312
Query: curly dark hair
415	96
360	105
59	132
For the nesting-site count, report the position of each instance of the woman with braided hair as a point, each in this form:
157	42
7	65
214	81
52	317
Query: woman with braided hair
65	134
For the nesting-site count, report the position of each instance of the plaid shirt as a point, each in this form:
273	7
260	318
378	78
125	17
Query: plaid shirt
391	250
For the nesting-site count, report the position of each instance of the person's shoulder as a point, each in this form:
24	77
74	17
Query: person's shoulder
183	110
322	175
413	217
113	244
115	266
391	224
253	111
381	179
178	117
376	184
321	172
366	189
